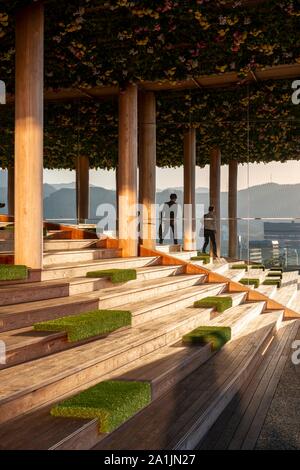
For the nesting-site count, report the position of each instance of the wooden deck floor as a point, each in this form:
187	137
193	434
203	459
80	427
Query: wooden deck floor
256	417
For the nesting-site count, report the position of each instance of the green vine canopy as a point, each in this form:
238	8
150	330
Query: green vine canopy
112	42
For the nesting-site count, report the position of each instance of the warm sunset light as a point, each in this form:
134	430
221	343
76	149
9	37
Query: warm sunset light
149	229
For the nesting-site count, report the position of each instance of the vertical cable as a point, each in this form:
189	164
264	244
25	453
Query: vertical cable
248	173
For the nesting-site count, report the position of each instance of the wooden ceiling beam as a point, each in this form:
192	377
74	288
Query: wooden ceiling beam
278	72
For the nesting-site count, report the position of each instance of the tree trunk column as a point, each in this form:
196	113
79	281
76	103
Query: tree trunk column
232	208
11	190
82	189
29	136
189	213
127	171
215	191
147	168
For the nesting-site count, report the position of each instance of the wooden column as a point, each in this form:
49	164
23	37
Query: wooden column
29	136
147	168
117	201
215	190
11	190
127	171
189	213
232	208
82	189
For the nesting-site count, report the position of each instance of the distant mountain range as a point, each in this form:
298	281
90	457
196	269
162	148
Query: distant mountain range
268	200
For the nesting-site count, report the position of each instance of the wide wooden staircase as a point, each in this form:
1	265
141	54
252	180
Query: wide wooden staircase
191	386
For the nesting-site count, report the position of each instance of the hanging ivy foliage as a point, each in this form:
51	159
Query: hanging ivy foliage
106	42
257	123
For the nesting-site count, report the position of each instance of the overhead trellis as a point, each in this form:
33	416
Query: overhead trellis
105	42
255	123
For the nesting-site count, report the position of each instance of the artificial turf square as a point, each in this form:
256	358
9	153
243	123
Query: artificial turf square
87	325
115	275
111	402
219	303
216	335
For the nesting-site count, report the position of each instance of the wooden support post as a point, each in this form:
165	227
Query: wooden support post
232	208
189	212
82	189
215	190
147	168
127	171
29	136
11	190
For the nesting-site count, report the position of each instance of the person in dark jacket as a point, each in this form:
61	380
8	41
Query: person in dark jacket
210	228
168	217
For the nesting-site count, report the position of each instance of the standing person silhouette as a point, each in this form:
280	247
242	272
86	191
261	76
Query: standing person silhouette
210	228
169	218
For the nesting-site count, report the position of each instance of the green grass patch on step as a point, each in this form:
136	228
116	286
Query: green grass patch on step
13	272
275	274
239	266
115	275
216	335
250	282
258	266
8	227
201	257
87	325
277	269
272	282
111	402
219	303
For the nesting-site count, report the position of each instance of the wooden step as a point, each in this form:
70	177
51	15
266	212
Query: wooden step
7	246
290	278
82	285
24	314
234	274
185	255
219	266
27	386
54	258
269	291
64	245
255	274
26	344
29	292
148	310
141	291
286	294
183	415
237	318
239	426
163	369
295	304
169	248
81	268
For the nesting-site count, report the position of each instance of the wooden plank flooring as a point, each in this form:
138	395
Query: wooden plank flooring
166	423
240	424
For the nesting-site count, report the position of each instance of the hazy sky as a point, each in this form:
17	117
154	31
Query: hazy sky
282	173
